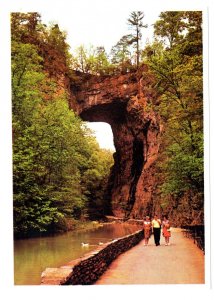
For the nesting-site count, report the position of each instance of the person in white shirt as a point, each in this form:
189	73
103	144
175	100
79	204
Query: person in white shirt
156	227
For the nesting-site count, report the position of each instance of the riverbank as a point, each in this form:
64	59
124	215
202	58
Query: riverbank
87	269
83	225
67	225
32	256
70	225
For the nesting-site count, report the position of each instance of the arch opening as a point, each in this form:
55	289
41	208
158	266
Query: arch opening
103	133
130	147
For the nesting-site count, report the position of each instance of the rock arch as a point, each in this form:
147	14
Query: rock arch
124	101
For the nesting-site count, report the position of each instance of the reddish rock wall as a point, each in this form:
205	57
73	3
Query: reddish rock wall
127	103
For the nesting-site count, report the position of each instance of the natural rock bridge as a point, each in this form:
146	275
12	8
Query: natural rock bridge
124	101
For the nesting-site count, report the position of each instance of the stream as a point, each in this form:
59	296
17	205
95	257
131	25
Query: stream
32	256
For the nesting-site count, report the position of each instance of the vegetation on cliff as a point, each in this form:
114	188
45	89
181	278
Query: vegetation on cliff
175	58
175	62
59	171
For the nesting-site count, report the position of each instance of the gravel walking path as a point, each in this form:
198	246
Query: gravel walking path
180	263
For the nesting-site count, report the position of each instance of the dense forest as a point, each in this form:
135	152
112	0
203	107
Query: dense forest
175	58
60	173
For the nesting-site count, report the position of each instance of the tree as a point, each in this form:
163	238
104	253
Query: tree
178	72
33	211
193	40
25	27
95	180
52	150
136	23
121	54
50	42
92	60
170	26
101	62
80	61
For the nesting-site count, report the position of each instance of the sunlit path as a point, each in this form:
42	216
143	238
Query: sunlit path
180	263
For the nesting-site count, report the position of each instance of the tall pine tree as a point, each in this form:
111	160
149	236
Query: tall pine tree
135	21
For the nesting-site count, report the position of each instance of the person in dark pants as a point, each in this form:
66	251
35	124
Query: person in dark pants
156	227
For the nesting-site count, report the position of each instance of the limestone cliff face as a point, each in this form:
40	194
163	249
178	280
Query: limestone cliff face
125	102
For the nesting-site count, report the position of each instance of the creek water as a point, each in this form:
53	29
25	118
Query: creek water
32	256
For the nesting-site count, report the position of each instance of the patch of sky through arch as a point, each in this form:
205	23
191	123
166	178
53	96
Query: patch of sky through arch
103	133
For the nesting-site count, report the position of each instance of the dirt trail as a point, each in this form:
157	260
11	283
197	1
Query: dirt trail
180	263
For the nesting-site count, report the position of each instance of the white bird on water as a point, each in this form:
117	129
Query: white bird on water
85	244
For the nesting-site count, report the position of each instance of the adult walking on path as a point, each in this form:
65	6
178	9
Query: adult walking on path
147	230
166	230
182	263
156	228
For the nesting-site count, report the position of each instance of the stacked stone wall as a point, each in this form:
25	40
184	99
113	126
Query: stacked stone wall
89	268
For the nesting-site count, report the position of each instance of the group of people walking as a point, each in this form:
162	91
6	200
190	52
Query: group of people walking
155	227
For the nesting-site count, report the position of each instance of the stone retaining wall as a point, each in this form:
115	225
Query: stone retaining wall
87	270
135	221
124	220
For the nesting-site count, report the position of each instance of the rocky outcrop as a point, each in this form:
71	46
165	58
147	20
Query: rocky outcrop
127	103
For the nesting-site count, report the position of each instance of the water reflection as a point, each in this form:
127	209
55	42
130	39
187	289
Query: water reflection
32	256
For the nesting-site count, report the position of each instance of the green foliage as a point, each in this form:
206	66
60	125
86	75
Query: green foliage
50	42
92	60
95	180
26	78
121	54
57	165
184	167
178	72
170	27
25	27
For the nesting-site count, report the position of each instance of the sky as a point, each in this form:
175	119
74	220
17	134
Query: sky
100	27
